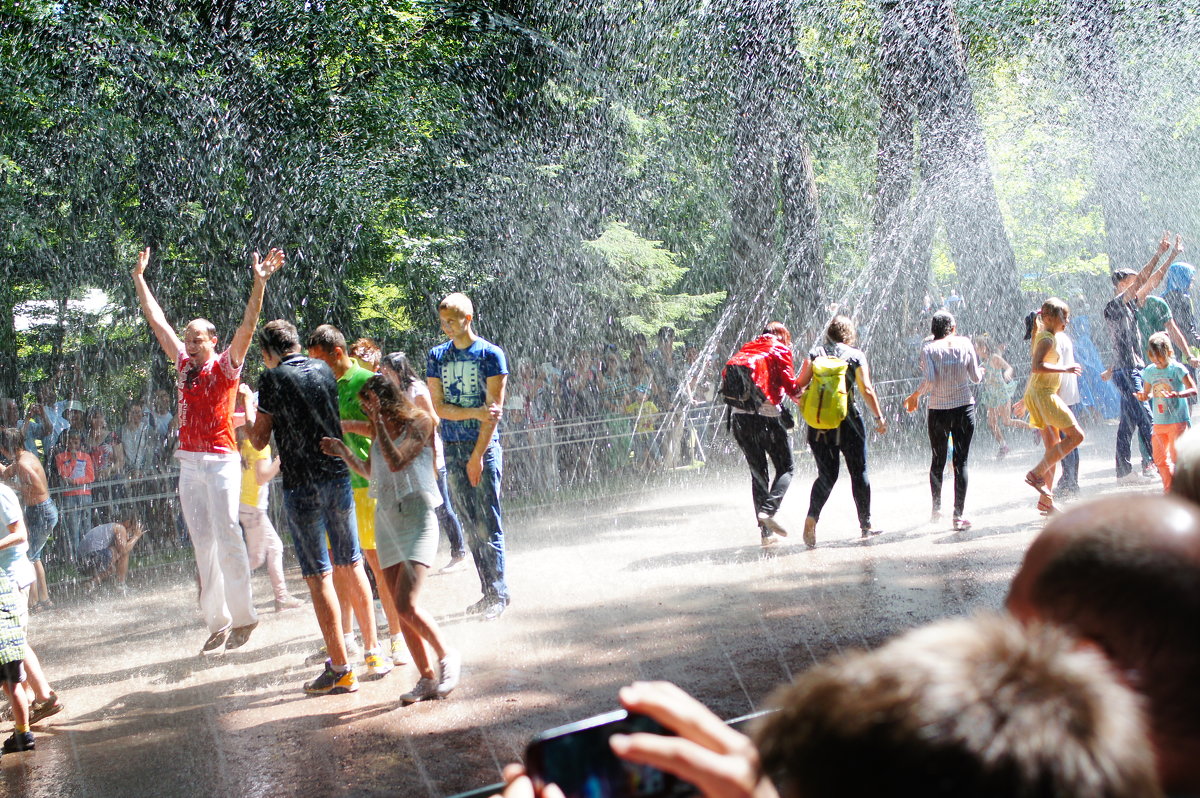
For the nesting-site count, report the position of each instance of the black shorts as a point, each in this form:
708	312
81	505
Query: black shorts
12	672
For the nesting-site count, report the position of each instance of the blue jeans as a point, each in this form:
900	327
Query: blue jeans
1133	414
447	519
320	510
40	519
480	505
1069	481
76	520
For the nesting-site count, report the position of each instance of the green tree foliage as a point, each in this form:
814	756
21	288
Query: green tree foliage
633	279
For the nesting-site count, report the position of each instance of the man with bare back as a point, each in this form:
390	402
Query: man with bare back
27	476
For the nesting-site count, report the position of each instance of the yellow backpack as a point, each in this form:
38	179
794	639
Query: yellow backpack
826	400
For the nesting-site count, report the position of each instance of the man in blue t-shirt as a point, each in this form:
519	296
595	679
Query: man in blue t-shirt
466	377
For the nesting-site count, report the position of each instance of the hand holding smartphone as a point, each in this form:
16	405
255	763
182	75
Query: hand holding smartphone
578	760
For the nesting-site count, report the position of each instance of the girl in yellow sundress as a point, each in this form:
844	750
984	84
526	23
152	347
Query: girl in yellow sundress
1047	411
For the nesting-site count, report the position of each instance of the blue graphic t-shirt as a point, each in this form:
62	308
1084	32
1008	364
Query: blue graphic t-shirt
1159	381
464	374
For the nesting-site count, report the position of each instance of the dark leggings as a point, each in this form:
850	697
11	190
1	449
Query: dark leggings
850	440
959	422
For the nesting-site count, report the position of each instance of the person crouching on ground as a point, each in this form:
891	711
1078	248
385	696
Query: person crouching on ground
400	466
105	551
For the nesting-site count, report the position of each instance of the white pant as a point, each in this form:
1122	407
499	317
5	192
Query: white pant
263	544
208	495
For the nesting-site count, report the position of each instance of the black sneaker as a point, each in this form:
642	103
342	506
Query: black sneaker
20	741
480	606
239	636
494	610
215	640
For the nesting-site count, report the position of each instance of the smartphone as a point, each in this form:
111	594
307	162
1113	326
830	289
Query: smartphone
577	759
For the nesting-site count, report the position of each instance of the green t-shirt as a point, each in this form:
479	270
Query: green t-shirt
1152	318
349	384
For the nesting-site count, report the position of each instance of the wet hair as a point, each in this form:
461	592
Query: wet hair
1160	344
1032	323
841	330
779	330
983	341
327	337
279	337
393	402
459	303
1114	584
398	362
205	326
1120	274
1055	307
941	324
366	350
969	706
11	440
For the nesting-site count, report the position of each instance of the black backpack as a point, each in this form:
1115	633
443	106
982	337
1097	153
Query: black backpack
738	388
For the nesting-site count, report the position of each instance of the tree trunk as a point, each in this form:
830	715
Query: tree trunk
803	257
1095	52
10	376
753	204
898	273
958	174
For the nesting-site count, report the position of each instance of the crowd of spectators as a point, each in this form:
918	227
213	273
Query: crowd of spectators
100	471
608	410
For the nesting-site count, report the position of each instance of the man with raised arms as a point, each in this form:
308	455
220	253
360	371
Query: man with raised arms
209	465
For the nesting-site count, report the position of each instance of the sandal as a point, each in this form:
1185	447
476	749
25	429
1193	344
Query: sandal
1046	505
1035	481
961	525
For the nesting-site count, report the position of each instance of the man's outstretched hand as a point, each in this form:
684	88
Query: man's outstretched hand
265	267
143	260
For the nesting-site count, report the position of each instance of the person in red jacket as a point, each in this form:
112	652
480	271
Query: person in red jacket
760	431
78	472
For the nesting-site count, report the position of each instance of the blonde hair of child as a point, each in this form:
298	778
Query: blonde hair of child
459	303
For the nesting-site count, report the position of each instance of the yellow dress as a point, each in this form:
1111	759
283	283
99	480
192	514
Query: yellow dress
1046	408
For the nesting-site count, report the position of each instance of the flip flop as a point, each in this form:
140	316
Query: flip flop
1036	482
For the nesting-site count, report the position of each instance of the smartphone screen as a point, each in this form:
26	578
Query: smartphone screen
577	759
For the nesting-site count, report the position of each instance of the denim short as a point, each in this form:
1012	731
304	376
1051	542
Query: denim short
40	519
318	511
95	563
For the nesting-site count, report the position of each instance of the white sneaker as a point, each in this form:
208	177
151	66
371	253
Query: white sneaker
377	664
451	670
353	649
422	691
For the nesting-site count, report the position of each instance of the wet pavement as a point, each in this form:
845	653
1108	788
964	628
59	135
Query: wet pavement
662	584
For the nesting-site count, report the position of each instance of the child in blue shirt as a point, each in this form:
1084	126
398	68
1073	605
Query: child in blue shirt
1167	384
